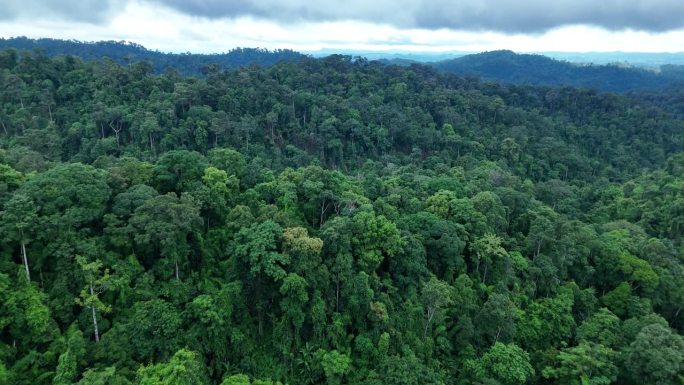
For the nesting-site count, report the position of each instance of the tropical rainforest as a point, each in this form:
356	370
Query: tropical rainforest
501	66
511	67
334	221
124	52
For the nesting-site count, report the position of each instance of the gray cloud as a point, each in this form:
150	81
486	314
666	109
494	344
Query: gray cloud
526	16
91	11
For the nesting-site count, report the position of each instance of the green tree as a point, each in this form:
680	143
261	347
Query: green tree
260	263
602	327
237	379
3	374
295	296
69	195
639	272
436	295
68	198
26	313
548	321
10	181
585	364
407	370
335	365
165	223
18	222
496	319
176	171
106	376
242	379
68	363
257	247
153	329
304	252
374	238
222	192
228	160
97	282
184	368
656	356
506	363
487	251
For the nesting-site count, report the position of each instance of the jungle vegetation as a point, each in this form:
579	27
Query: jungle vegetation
333	221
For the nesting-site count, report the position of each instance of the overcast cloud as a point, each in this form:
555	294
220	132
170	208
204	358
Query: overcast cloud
375	25
494	15
513	16
94	11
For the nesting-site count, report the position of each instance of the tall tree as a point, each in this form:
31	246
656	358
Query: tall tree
436	295
97	282
166	224
18	222
184	368
656	356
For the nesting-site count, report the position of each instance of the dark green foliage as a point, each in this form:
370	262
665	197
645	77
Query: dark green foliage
505	363
333	221
127	53
509	67
184	368
656	356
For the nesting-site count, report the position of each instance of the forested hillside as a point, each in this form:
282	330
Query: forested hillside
333	221
510	67
501	66
124	53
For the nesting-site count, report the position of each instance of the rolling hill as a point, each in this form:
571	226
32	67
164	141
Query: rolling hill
124	52
510	67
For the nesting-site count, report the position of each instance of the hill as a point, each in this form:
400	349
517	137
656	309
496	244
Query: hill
502	66
126	52
334	221
510	67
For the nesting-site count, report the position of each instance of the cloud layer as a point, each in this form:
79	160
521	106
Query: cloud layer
507	16
511	16
92	11
369	25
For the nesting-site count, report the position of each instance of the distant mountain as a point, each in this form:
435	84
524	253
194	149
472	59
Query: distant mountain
399	61
417	57
501	66
647	60
123	52
651	60
510	67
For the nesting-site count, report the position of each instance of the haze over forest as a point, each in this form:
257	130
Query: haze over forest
204	192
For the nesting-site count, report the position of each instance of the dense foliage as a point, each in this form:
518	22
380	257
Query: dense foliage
333	221
509	67
501	66
124	52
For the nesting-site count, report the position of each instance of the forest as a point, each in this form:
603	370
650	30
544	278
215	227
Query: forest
125	52
501	66
510	67
334	221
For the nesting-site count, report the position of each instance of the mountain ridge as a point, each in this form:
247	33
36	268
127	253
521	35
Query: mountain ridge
509	67
125	51
503	66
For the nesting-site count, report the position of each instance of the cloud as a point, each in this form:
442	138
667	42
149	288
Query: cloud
509	16
393	28
89	11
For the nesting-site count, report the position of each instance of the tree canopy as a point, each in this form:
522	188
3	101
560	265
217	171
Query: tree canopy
334	221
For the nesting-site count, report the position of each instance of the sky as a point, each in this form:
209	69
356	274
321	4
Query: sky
210	26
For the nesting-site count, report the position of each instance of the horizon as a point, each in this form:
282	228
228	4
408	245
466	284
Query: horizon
332	50
647	60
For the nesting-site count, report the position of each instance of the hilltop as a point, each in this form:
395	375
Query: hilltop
533	69
124	52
